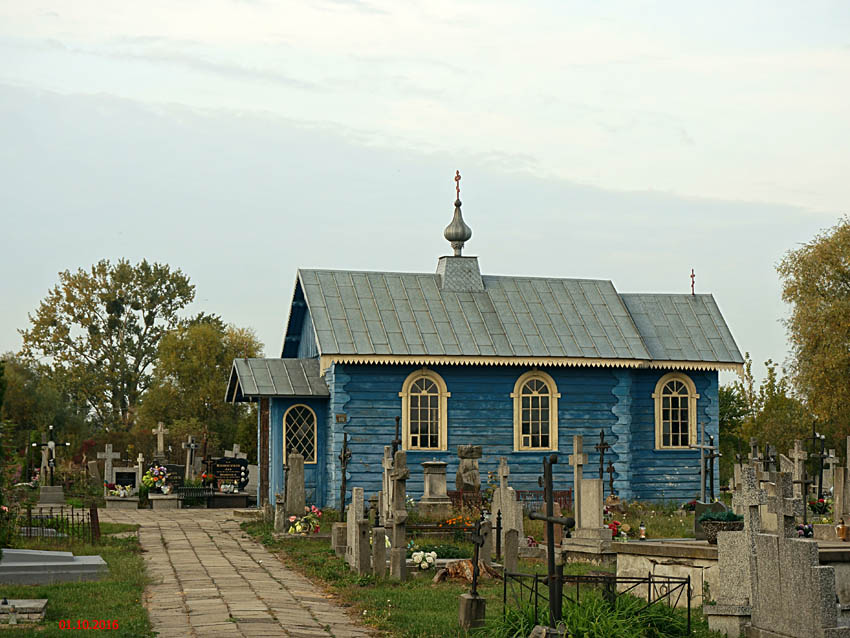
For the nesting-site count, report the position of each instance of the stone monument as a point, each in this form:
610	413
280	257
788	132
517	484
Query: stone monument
468	478
398	553
295	497
505	501
435	501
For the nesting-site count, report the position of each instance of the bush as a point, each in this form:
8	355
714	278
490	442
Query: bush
726	516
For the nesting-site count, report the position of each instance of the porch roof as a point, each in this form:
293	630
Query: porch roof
254	378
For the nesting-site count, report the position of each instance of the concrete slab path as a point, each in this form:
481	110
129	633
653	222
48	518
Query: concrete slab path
211	580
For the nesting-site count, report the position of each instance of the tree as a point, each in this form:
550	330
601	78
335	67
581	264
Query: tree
98	331
816	282
733	411
190	379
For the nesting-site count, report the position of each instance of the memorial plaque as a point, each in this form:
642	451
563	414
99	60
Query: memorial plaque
125	477
175	475
228	470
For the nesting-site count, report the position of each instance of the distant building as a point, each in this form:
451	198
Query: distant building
516	364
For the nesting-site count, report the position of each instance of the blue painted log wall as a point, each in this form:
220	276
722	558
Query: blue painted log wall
315	475
480	412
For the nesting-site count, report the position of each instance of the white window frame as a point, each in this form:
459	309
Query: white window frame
554	395
315	432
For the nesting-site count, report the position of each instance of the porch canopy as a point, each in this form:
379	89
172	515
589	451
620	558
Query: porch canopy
251	379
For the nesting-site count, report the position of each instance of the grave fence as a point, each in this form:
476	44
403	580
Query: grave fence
59	524
532	590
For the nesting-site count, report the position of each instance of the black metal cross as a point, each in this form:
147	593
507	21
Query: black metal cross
602	447
397	439
344	457
804	481
611	471
713	453
554	574
477	540
50	444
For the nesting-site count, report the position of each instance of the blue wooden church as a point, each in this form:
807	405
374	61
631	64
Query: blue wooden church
515	364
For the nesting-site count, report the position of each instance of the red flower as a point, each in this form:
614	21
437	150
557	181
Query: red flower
820	500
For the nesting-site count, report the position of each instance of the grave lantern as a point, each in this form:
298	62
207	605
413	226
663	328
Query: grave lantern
642	529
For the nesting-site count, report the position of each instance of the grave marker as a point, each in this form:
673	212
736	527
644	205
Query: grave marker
160	433
235	453
190	446
108	456
577	459
398	554
295	496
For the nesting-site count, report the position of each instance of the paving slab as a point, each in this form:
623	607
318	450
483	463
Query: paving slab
211	580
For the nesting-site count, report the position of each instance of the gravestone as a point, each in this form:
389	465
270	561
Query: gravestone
295	497
830	463
379	552
385	496
125	476
798	457
505	501
37	567
232	470
281	520
108	456
353	517
736	561
468	477
700	509
578	459
94	471
339	538
175	475
190	446
435	501
140	469
594	533
235	453
486	551
253	483
398	553
511	551
160	433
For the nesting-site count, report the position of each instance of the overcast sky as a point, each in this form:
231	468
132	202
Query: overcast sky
240	139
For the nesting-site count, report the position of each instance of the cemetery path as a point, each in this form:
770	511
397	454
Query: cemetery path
211	580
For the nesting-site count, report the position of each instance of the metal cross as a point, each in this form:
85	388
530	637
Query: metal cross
555	573
397	439
611	471
804	482
709	459
602	447
344	457
48	443
693	279
702	447
457	184
820	455
478	541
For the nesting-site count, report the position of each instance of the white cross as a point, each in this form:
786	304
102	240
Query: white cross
160	439
577	459
107	464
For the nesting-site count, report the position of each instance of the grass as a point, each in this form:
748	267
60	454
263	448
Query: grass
118	597
117	528
415	609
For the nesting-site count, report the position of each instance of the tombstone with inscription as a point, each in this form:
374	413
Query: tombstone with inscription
231	479
435	501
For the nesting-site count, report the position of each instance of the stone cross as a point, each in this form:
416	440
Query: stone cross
385	500
748	500
602	447
140	469
398	554
504	473
798	455
235	453
108	456
831	461
190	446
45	459
703	448
160	440
577	459
785	506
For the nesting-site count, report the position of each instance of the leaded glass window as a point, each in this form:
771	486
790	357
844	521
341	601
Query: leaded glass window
534	398
300	432
424	414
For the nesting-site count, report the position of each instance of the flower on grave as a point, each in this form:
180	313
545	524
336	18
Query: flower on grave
155	476
292	519
307	524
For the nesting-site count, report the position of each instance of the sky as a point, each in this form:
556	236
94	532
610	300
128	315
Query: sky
239	140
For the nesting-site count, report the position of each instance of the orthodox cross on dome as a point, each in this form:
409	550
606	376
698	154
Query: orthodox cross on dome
693	279
457	232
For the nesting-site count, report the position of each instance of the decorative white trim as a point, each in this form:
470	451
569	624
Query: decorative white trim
692	410
326	360
315	433
444	394
554	395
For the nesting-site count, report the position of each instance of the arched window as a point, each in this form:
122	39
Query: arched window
299	432
535	398
423	408
675	412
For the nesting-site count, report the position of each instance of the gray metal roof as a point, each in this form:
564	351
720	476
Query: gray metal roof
682	327
374	313
408	314
275	378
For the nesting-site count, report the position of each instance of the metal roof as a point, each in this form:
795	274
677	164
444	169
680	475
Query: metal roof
385	313
682	327
275	378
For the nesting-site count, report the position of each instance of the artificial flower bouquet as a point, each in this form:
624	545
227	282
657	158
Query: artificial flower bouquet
122	491
155	477
424	560
307	524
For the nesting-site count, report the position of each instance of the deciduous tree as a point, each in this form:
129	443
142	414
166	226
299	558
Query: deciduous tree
98	331
816	283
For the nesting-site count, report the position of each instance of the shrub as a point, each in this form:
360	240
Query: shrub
726	516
